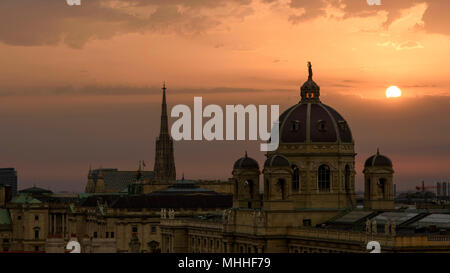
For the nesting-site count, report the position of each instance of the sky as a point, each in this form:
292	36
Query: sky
80	85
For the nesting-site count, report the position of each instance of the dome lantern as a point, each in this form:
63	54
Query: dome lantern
310	91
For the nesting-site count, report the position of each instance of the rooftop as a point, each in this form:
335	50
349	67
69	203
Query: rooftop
5	217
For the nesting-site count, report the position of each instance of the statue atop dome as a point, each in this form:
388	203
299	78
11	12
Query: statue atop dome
310	91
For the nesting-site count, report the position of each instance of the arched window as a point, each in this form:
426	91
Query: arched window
295	179
267	189
322	126
249	185
347	178
382	188
295	125
36	233
281	184
323	176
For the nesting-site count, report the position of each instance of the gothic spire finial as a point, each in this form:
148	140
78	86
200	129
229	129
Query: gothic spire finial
378	151
164	123
310	71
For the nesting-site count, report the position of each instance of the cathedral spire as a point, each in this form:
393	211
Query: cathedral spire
164	131
164	168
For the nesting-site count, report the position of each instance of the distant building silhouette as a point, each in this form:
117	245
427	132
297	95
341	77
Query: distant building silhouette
111	180
8	176
105	180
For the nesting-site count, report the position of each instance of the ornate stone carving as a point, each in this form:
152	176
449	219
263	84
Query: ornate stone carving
260	217
171	214
374	226
227	216
386	227
368	226
393	226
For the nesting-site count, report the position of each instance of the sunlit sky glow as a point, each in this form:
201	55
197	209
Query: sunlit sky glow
80	85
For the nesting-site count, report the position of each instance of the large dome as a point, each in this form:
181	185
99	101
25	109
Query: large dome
311	121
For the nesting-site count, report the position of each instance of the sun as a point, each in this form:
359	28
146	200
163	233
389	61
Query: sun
393	92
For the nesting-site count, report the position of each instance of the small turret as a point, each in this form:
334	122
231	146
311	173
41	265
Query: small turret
100	184
246	183
90	186
378	185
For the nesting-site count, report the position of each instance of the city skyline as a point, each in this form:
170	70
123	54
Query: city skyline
75	96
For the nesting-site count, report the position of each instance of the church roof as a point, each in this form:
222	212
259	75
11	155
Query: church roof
25	198
182	194
36	190
116	180
182	186
159	201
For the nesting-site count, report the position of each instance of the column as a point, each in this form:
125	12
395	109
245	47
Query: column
67	224
49	225
54	224
63	222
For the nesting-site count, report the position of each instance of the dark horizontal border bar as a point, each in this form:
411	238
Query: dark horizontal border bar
221	262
